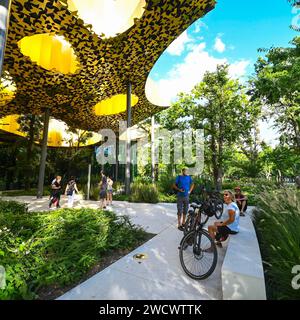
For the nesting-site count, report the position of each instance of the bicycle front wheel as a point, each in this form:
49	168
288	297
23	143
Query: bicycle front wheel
198	254
218	207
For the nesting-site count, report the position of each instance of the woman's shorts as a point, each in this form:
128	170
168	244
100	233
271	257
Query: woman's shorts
102	194
110	191
223	232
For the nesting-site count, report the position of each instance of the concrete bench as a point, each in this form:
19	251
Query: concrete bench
242	270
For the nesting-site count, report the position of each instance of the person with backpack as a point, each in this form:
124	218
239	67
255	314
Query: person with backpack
70	191
55	192
183	186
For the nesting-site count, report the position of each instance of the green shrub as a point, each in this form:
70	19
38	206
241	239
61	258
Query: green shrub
141	192
13	207
277	220
57	248
94	192
120	197
171	198
165	184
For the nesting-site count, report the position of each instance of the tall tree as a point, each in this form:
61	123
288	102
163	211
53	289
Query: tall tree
276	84
220	105
31	125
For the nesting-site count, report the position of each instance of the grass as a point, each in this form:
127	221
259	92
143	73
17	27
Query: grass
277	221
43	250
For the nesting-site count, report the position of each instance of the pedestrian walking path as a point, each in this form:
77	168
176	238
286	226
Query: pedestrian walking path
157	277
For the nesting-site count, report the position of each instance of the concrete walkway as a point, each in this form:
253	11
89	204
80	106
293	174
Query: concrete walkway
160	276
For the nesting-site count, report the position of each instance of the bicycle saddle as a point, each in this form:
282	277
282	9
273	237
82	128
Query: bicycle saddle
195	205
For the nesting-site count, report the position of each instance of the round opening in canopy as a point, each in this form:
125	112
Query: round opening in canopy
107	17
7	89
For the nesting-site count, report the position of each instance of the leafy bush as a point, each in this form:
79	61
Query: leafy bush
165	184
252	187
171	198
45	249
277	220
141	192
94	192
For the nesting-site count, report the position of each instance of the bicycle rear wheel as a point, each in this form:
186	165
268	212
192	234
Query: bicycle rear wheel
198	254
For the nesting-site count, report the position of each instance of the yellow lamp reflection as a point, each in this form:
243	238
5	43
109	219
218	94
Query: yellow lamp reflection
51	52
114	105
58	136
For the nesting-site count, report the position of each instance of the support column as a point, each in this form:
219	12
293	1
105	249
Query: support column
89	182
4	23
152	150
117	157
43	155
128	142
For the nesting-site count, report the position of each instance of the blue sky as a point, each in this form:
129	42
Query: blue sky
231	33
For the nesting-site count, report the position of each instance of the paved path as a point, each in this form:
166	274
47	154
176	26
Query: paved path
160	276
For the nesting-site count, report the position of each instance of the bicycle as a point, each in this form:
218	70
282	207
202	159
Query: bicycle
214	198
197	251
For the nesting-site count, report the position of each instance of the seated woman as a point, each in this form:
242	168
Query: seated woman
221	229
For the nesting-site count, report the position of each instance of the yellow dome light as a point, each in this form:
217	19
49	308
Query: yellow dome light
10	124
51	52
108	16
114	105
7	89
58	135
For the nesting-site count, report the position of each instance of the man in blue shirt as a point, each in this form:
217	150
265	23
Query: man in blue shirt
184	186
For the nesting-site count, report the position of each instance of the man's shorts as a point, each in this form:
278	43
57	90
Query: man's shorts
182	204
102	194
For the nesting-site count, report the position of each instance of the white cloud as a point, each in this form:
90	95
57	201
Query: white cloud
268	133
238	68
219	45
198	25
178	46
184	76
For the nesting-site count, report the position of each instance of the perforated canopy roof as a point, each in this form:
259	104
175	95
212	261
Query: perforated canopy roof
58	61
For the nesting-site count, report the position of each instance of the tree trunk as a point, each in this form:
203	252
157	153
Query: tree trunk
30	143
214	161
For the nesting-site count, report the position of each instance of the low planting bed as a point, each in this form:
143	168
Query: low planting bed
46	253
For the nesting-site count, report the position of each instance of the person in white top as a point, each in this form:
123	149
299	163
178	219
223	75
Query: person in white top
220	230
109	190
70	191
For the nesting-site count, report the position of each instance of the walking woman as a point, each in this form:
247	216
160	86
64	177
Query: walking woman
70	191
103	189
55	192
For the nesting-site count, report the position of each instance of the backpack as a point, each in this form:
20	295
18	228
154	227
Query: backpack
71	188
